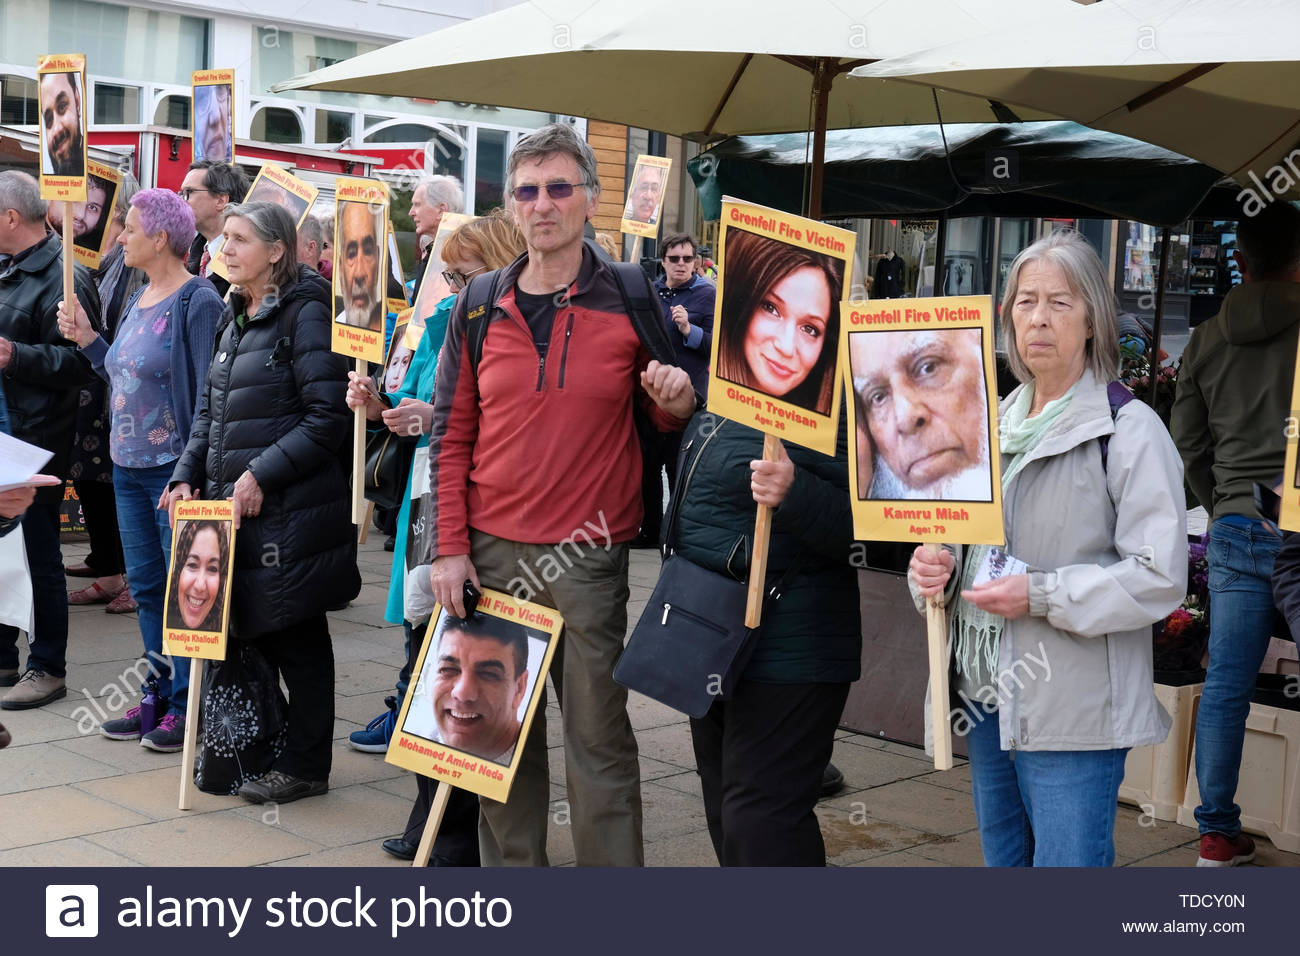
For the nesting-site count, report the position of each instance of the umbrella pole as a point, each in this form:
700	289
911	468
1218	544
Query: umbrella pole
821	92
1154	362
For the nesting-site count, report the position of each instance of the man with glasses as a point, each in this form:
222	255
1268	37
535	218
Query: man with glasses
687	301
209	187
532	440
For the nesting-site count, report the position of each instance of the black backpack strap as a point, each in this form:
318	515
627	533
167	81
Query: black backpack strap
1117	396
480	298
642	307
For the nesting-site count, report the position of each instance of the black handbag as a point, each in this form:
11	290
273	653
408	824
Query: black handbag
245	714
691	644
388	463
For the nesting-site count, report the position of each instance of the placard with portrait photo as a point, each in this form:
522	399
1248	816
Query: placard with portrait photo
645	196
399	354
434	287
91	218
360	268
474	693
196	608
212	118
61	82
775	364
278	185
922	417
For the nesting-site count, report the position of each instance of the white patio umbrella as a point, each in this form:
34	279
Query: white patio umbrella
728	67
1216	80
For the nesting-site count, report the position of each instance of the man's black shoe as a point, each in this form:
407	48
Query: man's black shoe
277	787
400	847
832	781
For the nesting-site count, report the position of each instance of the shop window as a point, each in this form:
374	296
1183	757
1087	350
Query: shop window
490	177
19	105
173	112
333	126
116	104
274	124
402	133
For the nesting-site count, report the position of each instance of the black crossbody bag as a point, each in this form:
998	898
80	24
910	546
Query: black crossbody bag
691	644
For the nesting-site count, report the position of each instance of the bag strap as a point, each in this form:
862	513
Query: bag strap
1117	396
674	507
480	298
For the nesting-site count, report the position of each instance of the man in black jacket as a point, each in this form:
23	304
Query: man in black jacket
43	374
209	187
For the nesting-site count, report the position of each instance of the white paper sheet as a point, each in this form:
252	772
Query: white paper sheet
19	461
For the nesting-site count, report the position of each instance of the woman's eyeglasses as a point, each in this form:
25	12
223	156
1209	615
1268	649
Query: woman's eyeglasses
553	190
458	280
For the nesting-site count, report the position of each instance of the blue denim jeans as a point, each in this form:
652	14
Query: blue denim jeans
147	546
1241	554
1044	807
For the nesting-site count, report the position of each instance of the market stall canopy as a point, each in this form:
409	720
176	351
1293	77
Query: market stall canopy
1216	80
1018	169
729	67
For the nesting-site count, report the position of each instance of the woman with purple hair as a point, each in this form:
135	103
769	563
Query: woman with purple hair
154	368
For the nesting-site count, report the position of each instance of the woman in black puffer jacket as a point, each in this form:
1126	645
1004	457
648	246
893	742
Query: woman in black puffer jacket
762	752
271	434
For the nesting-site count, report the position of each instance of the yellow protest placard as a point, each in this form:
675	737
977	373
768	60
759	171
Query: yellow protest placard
212	118
1289	518
91	218
775	363
923	420
360	264
645	197
474	694
196	609
61	78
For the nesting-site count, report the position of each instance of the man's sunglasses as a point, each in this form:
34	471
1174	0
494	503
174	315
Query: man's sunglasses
458	280
553	190
676	259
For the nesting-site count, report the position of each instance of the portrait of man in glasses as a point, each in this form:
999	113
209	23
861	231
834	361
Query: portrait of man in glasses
643	198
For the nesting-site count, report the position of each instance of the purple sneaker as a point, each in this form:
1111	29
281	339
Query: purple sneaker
168	737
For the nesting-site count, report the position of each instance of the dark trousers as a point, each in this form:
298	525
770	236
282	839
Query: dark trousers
457	842
99	508
303	657
761	756
49	643
658	452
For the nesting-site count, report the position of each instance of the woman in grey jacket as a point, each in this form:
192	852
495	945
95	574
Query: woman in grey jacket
1052	668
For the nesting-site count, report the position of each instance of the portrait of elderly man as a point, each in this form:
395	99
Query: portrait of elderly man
61	124
923	424
473	687
360	253
212	133
643	197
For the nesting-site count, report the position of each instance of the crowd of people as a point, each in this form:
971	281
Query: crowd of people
548	408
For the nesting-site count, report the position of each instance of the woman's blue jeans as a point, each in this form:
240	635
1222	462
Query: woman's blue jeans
1044	807
1241	554
147	546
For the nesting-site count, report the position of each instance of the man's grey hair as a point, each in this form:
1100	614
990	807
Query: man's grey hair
443	189
311	230
21	193
548	141
1087	278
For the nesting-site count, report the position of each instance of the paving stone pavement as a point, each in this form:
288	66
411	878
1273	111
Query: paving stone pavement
88	801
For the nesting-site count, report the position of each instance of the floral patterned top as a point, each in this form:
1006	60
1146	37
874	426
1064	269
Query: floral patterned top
144	433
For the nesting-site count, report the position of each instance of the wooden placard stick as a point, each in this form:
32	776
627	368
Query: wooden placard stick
762	532
359	457
936	620
68	257
364	531
191	731
432	825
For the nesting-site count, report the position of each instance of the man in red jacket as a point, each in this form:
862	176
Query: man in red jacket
535	482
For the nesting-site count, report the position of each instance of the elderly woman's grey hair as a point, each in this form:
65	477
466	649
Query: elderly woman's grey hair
272	224
1084	272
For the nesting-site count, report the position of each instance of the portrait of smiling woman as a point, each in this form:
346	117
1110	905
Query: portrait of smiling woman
196	599
780	319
